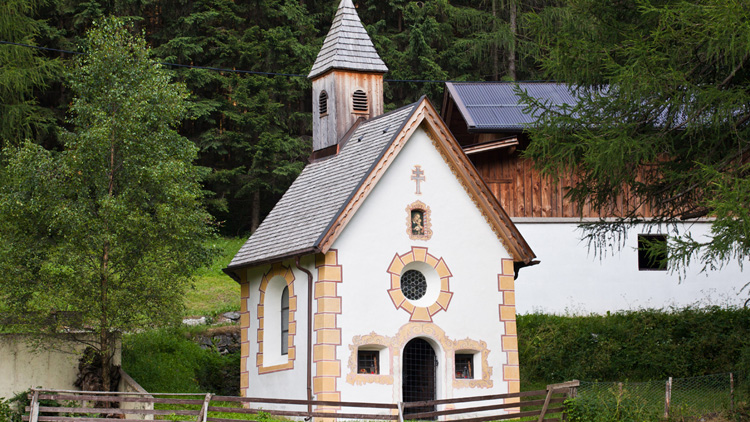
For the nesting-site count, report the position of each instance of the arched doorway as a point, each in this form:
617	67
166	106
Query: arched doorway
418	380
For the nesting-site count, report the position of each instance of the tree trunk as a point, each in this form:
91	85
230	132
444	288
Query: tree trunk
513	9
495	47
255	212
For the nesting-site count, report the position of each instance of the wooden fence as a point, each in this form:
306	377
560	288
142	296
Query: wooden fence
77	406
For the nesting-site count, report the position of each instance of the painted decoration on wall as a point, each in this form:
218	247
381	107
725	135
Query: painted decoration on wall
417	175
418	221
424	294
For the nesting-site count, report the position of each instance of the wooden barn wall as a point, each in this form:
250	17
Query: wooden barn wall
524	192
521	189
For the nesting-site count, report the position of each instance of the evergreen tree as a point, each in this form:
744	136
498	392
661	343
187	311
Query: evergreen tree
662	118
251	129
22	71
104	236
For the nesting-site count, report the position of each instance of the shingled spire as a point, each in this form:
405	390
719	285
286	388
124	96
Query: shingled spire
347	79
347	45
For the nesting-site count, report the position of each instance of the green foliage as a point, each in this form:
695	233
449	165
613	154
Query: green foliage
7	414
167	360
24	70
12	409
634	345
610	406
105	236
662	120
253	131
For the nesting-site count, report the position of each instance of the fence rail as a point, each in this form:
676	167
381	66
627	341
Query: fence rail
78	406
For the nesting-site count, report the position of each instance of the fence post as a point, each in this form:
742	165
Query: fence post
204	410
573	390
668	398
400	412
34	415
731	391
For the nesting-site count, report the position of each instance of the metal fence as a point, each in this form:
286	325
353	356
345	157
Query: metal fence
674	397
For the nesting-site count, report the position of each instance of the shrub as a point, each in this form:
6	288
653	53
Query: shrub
167	360
636	345
611	405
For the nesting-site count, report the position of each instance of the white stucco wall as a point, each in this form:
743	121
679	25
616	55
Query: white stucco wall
461	237
284	383
572	279
22	366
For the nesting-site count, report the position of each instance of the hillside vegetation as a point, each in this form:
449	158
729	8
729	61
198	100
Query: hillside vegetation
215	292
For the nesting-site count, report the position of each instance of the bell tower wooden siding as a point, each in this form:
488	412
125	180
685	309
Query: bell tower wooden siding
340	86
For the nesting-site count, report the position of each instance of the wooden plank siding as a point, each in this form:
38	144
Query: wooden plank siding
520	188
524	192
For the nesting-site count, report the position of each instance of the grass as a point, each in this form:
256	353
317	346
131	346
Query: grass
215	292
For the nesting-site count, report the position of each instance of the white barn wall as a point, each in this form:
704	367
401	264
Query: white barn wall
573	280
461	236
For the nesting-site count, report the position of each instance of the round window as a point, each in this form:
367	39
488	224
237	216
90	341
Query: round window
413	284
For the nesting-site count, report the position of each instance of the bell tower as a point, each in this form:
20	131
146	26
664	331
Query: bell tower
347	79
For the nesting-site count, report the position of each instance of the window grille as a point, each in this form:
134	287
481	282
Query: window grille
285	321
360	101
323	103
419	375
652	252
413	284
367	362
464	366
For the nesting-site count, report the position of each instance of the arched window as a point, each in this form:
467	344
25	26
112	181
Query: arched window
323	103
360	101
285	321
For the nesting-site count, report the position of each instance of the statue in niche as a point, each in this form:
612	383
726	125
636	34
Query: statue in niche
417	217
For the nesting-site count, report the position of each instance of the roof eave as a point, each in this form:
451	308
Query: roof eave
231	270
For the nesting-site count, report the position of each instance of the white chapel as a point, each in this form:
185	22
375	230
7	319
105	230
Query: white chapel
386	272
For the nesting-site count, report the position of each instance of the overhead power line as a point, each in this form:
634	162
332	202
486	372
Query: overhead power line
219	69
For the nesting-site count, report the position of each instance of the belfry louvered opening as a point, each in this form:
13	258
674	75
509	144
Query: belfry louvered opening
359	101
323	103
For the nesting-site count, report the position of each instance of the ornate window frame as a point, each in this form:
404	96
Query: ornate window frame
426	221
272	360
438	279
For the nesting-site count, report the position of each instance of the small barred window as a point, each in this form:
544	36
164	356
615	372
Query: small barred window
367	362
360	101
413	284
464	368
323	103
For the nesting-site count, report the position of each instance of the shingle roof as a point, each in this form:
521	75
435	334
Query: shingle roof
347	45
495	105
315	199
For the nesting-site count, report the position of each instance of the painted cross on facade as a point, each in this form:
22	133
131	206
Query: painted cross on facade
417	175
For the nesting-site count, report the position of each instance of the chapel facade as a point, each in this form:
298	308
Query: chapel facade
386	271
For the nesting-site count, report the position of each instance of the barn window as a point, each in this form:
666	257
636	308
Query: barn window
464	366
368	362
285	321
652	252
360	101
323	103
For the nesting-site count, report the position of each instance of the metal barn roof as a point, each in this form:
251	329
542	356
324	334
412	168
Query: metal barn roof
495	106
